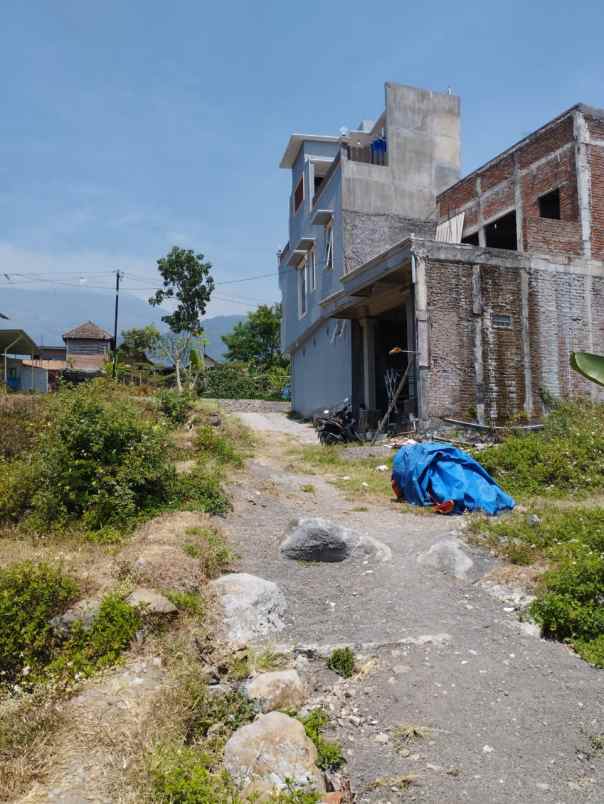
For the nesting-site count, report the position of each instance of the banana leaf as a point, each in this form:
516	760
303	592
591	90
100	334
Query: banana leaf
590	366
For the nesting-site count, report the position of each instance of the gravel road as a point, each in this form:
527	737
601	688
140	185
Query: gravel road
507	717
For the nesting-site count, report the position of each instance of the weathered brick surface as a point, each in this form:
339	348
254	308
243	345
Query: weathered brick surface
544	162
366	236
561	306
595	127
499	201
597	201
559	317
546	236
546	142
451	379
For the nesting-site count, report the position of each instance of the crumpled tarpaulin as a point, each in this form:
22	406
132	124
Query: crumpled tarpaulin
433	473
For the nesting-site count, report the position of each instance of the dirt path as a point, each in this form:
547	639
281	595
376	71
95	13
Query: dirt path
510	716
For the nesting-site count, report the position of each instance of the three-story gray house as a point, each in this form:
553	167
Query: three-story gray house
353	196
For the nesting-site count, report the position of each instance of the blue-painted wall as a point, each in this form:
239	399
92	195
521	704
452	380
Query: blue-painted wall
322	368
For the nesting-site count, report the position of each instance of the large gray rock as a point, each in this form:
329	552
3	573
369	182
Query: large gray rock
253	607
282	689
151	602
262	756
318	539
84	611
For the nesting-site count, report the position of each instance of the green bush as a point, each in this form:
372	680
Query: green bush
175	406
30	596
21	420
330	756
210	442
341	662
567	457
183	775
569	602
523	542
88	650
239	381
200	490
98	460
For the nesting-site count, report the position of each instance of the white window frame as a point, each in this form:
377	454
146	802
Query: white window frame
329	246
311	261
302	290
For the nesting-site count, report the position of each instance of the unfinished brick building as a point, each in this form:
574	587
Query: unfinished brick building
485	283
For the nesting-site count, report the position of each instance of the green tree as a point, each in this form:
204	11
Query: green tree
257	340
137	341
186	281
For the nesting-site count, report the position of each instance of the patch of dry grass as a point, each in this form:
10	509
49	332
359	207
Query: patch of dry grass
27	728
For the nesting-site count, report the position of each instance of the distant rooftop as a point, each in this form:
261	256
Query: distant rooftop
88	331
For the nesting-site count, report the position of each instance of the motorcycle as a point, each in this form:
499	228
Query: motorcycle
337	425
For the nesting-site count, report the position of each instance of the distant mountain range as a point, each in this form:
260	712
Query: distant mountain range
46	314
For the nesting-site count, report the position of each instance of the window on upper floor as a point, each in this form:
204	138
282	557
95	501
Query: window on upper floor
502	233
302	290
299	194
549	205
329	246
311	269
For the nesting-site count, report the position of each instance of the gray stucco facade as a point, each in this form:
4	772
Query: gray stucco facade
352	197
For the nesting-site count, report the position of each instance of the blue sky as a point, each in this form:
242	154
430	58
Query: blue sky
131	126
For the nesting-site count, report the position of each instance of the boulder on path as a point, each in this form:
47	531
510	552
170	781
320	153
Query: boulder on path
448	557
318	539
151	602
264	755
282	689
253	607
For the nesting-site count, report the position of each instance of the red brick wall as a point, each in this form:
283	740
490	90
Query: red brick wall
597	201
451	377
452	388
497	192
546	236
558	323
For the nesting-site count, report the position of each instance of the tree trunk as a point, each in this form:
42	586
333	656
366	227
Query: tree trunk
178	380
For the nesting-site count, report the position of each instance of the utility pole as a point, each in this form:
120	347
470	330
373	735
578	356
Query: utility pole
117	303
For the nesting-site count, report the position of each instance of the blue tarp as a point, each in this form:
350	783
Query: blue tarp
434	472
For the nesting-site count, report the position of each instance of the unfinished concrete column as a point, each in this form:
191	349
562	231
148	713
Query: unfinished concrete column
519	205
526	344
582	141
478	361
368	328
422	357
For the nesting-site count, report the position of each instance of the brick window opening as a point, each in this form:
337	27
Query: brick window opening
549	205
299	194
471	240
501	321
502	233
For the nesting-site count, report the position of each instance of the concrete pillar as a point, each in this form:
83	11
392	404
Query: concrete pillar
583	180
368	328
422	357
478	361
519	205
526	344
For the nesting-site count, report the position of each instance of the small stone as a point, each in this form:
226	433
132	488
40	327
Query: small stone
282	689
382	738
151	602
84	611
487	749
533	520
